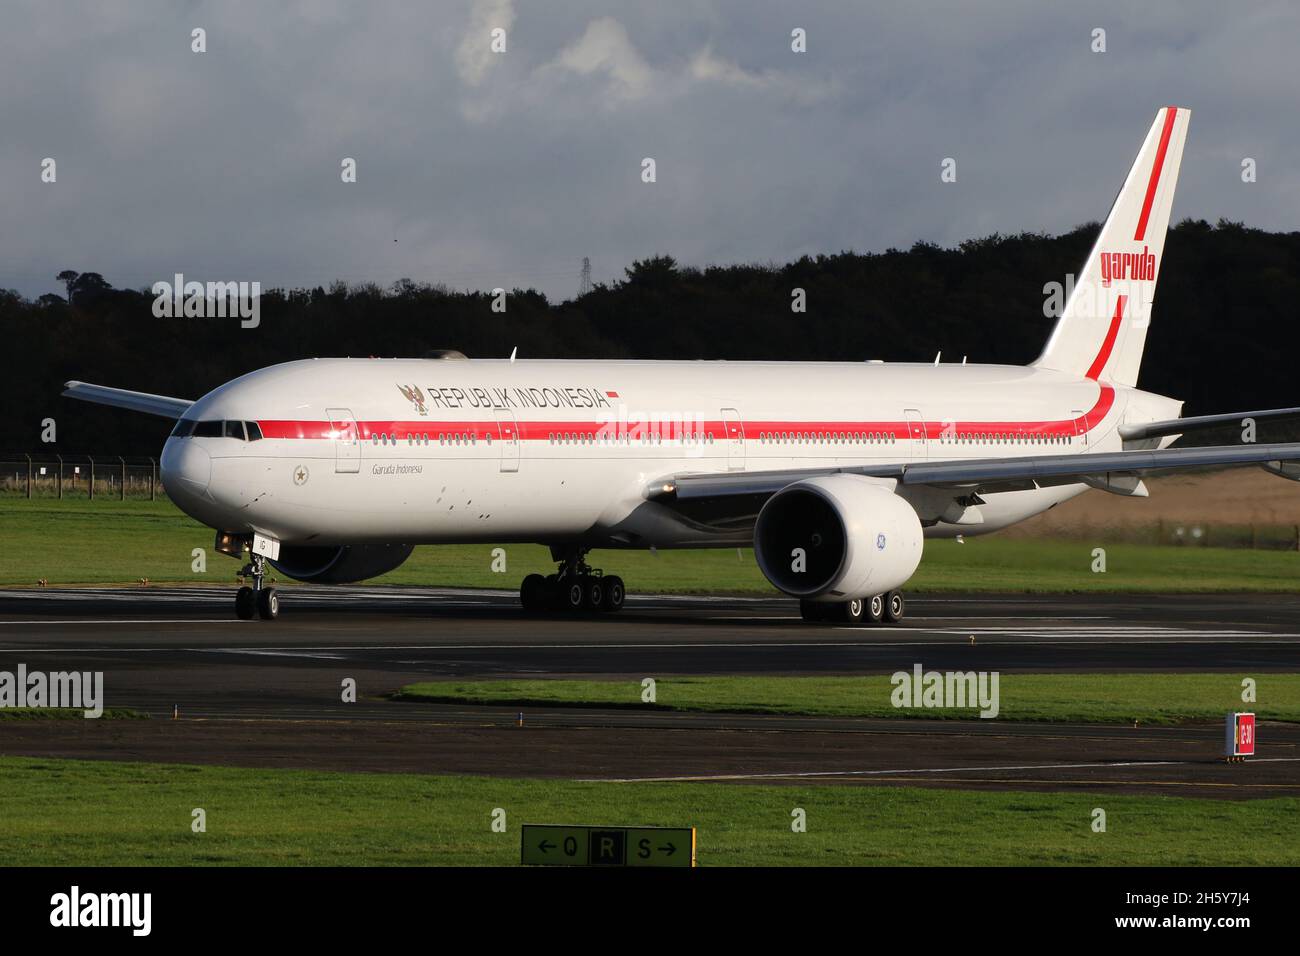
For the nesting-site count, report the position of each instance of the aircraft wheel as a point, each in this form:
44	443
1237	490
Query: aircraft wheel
268	604
593	597
245	604
895	607
573	594
532	592
812	611
853	612
614	594
875	609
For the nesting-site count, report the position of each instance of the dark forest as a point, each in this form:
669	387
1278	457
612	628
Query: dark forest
1223	334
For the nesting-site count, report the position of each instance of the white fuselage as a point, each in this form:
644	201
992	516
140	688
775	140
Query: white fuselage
427	451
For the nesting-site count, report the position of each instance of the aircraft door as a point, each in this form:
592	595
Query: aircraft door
734	436
916	434
347	444
508	433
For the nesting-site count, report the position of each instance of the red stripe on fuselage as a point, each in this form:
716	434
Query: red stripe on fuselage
1170	113
546	430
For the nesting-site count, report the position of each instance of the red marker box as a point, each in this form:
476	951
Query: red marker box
1240	735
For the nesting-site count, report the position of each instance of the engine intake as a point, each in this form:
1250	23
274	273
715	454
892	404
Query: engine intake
340	564
837	538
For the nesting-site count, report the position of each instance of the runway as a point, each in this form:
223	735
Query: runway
268	693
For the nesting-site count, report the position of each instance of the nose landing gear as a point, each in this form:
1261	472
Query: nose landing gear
575	587
259	600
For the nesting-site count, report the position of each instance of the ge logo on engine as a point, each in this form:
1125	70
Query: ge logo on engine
880	541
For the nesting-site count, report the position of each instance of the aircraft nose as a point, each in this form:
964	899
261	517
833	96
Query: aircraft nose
186	468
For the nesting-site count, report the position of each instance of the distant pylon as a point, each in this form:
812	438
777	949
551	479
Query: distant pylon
585	286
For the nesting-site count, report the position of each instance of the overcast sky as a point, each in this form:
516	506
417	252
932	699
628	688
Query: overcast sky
480	169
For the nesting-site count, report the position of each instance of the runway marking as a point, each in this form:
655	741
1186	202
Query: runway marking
118	620
1103	782
1268	640
263	652
1043	617
922	770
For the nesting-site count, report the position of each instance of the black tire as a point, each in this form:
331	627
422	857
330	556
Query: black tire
593	593
812	611
573	594
245	604
615	594
268	604
532	592
853	612
875	610
895	607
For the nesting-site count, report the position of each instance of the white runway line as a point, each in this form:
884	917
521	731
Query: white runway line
118	620
606	646
265	653
888	773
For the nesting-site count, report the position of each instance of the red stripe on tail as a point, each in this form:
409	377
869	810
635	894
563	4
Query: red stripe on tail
1112	333
1170	113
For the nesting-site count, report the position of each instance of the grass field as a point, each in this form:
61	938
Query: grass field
1074	698
61	812
115	542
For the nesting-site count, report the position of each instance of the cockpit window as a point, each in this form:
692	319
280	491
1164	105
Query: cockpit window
244	431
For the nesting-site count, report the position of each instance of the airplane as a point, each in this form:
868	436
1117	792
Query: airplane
333	469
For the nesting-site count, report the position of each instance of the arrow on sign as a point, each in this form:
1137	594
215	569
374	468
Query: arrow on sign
546	846
669	849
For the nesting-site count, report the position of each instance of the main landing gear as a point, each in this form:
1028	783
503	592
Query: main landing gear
259	600
882	608
574	587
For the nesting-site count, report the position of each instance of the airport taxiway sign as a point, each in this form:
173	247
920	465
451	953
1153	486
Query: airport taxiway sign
1240	740
555	845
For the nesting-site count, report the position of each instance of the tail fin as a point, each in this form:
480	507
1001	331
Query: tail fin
1103	328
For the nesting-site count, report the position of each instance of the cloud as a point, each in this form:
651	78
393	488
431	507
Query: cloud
474	56
606	51
481	170
605	48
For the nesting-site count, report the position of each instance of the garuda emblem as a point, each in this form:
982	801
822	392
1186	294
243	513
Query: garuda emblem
414	396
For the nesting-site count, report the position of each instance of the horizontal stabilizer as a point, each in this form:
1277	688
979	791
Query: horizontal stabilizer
1183	426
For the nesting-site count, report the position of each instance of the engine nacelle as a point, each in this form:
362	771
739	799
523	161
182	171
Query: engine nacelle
339	565
837	538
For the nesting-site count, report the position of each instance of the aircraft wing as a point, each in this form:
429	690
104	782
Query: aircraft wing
160	405
1182	426
1119	472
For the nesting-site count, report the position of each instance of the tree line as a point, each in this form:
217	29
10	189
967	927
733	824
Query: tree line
1223	335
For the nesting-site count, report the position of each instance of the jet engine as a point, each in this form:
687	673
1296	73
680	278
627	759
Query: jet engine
837	538
340	564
